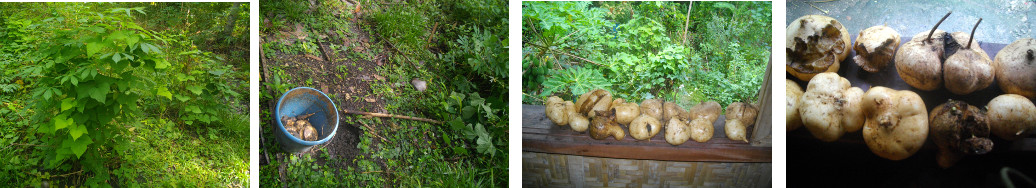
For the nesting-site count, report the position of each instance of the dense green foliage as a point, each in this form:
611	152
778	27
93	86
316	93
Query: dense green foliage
637	50
457	46
104	95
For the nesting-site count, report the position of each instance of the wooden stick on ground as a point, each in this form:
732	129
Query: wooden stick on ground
373	132
391	116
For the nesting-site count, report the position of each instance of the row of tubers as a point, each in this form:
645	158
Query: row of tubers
604	117
895	123
930	60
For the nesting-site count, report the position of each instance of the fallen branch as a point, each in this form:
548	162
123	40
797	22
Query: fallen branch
371	129
391	116
432	35
63	175
34	145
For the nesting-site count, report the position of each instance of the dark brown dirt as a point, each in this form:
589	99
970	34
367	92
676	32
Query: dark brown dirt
350	91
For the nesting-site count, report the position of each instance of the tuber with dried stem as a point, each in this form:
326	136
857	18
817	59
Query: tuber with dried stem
919	61
969	68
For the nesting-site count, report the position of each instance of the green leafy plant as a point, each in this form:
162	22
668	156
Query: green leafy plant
89	80
96	100
574	81
643	50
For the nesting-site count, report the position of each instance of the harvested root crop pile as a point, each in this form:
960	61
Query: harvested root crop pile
611	118
300	127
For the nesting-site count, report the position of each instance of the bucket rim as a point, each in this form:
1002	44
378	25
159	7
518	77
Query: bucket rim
280	125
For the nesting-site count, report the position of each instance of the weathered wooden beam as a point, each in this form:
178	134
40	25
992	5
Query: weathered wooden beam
763	125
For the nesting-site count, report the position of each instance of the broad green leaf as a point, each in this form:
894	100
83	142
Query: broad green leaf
132	41
100	91
76	131
61	121
161	64
117	35
68	103
92	47
193	109
196	89
117	57
182	98
85	73
47	93
163	91
79	147
96	29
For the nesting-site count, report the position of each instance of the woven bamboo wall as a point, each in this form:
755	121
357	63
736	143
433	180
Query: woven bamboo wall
556	170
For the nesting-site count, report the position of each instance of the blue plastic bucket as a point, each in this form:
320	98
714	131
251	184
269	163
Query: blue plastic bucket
305	100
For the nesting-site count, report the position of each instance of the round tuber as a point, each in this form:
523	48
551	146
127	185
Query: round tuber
830	107
1015	69
1011	116
645	127
896	123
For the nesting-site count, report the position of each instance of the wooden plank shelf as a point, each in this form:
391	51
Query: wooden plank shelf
539	134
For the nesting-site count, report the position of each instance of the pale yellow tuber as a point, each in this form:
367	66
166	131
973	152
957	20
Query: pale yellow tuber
830	107
739	117
897	122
